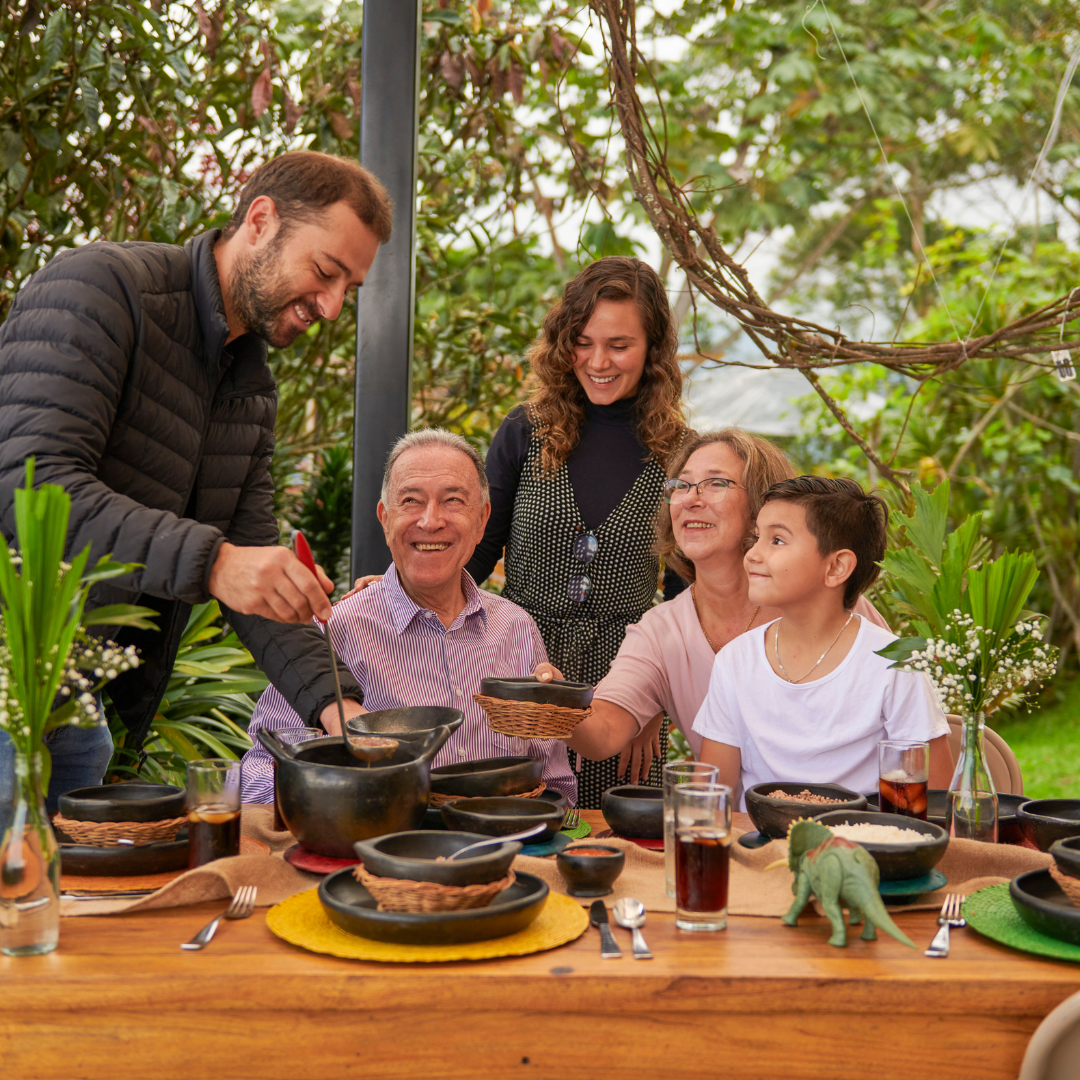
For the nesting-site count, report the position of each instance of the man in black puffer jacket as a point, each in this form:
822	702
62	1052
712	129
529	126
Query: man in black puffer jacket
136	376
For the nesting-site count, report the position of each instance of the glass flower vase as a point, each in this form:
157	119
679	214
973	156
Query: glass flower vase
971	811
29	868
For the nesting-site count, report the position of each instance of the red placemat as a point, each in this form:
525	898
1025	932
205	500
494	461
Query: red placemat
308	861
648	845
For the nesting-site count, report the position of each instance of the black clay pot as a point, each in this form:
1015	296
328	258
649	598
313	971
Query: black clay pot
1044	821
773	817
590	875
1042	904
1009	831
134	800
329	799
413	856
567	695
635	811
1066	854
897	862
409	723
501	817
487	777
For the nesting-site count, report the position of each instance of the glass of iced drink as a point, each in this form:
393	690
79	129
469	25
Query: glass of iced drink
213	810
904	777
679	772
702	848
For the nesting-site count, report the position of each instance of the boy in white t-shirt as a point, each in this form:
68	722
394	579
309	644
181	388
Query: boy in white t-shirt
806	698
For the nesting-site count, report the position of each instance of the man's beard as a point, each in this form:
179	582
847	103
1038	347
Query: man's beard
259	296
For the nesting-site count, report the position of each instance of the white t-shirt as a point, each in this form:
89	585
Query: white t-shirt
823	732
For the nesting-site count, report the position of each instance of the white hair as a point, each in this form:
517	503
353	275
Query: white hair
436	437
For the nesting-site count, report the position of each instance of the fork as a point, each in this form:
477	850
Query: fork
950	916
243	904
573	817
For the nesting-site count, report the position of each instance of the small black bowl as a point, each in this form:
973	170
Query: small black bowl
133	800
407	723
1067	856
501	817
1009	831
567	695
487	777
773	817
590	875
413	856
1047	820
1042	904
635	811
896	862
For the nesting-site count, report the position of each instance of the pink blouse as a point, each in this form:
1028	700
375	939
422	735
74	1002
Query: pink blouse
664	665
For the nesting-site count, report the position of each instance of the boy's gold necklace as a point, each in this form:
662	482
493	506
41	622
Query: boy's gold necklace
776	650
701	621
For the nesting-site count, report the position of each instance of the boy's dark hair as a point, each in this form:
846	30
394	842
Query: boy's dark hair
304	183
839	514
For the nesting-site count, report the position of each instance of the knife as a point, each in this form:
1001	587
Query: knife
609	950
302	551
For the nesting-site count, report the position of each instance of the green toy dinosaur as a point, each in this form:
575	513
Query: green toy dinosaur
839	873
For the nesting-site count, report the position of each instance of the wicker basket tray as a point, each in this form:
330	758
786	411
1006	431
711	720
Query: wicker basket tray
400	894
437	798
109	833
526	720
1070	886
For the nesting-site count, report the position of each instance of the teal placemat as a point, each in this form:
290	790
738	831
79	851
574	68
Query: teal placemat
991	912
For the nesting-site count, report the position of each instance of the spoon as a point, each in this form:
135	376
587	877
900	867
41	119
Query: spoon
532	831
630	914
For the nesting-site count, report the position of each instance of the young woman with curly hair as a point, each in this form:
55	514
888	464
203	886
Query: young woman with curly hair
577	473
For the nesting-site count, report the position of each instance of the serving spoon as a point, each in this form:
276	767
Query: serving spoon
630	914
531	831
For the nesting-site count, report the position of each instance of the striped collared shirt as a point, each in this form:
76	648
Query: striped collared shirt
402	655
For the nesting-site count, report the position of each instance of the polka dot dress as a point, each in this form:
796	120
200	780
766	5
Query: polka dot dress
583	637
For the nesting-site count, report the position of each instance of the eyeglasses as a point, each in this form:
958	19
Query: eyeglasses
579	587
711	489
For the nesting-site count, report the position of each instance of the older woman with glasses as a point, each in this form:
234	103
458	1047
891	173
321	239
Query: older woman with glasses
576	475
665	662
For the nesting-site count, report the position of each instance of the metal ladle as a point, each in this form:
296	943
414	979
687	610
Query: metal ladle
531	831
630	914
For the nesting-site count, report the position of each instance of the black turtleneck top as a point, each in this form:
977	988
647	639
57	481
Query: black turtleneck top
607	460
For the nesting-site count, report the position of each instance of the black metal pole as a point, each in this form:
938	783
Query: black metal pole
389	115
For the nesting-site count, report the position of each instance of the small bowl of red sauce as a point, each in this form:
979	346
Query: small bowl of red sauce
590	870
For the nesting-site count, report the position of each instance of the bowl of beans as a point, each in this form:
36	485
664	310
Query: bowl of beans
773	806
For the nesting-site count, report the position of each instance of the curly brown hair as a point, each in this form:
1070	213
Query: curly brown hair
763	465
557	406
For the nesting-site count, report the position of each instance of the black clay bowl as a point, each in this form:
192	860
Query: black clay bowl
134	800
1067	856
896	862
409	723
567	695
590	875
124	861
1009	831
1046	820
773	817
634	810
352	907
1042	904
413	856
487	777
500	817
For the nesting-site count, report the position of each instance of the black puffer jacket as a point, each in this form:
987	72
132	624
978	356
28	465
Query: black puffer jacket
115	376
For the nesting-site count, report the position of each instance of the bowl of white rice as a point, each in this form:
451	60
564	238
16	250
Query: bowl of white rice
903	847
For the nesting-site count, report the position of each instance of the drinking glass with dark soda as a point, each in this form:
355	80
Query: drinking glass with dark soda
702	850
213	810
904	777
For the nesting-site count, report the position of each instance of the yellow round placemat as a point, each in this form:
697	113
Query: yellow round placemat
301	920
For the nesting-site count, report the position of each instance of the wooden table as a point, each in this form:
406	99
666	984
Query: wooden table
120	1000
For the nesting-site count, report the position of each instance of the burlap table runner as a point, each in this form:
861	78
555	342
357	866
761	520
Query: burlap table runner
968	864
276	879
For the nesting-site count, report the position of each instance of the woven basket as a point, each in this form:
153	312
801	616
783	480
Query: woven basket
400	894
437	798
109	833
526	720
1070	886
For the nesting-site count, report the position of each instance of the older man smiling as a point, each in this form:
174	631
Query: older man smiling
425	634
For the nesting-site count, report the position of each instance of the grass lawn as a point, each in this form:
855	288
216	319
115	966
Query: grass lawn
1047	744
